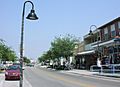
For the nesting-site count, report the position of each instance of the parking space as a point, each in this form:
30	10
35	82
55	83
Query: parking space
9	83
12	83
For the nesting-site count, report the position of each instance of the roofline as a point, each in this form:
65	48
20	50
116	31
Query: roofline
109	23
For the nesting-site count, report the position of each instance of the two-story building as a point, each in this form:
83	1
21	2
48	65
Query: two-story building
110	43
88	56
103	43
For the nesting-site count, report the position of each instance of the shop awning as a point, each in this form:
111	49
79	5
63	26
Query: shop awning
86	52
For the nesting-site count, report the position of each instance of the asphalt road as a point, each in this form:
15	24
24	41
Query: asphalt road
38	77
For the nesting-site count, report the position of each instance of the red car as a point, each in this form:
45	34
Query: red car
12	73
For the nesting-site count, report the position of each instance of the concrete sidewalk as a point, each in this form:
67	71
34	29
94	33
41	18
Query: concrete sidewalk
116	75
88	73
9	83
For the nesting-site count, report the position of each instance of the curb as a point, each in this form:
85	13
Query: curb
95	74
107	75
114	76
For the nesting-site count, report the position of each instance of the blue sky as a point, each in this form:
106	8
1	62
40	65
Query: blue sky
56	17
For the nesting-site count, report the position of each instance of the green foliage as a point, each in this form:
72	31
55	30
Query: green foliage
6	53
40	59
26	60
64	46
46	56
60	47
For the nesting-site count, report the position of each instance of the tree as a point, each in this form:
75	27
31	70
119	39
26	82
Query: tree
64	46
26	60
60	47
6	53
45	56
1	48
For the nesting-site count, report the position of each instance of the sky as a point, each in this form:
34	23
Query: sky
56	17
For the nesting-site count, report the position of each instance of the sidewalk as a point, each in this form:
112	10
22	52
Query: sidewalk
9	83
116	75
88	73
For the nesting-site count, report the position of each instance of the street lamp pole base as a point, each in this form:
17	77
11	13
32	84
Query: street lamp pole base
21	83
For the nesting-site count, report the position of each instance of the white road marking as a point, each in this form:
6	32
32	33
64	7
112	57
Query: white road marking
1	83
26	83
5	83
9	83
1	79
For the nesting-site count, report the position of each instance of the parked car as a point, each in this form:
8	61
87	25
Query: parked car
12	72
30	65
18	64
2	67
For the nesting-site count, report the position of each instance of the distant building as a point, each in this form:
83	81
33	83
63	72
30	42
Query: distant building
32	61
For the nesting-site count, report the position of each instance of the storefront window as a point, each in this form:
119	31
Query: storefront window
116	59
111	50
118	48
115	49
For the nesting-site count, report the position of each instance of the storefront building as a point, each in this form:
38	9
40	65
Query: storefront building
104	43
110	42
87	57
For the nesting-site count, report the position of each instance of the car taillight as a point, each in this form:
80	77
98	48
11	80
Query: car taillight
18	74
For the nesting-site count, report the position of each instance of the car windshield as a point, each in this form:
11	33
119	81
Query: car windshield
12	68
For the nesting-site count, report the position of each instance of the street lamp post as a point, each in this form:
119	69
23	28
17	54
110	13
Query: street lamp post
98	53
31	16
91	33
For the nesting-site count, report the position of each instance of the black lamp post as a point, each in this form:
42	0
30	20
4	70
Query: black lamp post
31	16
91	33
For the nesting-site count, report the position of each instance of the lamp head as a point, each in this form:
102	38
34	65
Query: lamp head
32	15
90	32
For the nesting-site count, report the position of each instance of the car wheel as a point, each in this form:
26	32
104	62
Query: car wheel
6	79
